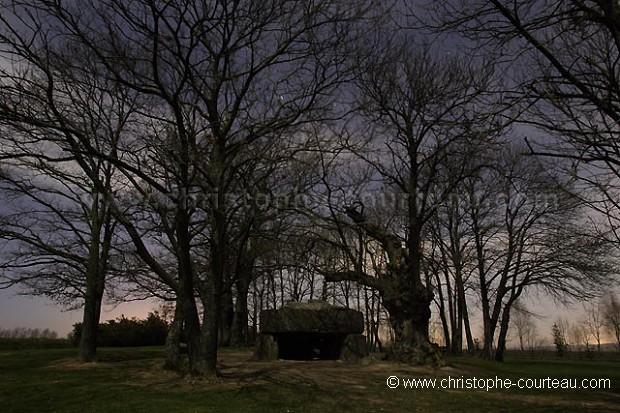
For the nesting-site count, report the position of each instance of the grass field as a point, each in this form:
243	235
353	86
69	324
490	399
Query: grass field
132	380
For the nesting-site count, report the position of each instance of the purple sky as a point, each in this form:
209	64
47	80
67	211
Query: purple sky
23	311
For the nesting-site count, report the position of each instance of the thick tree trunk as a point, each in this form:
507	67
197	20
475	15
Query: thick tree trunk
211	296
193	336
468	335
442	313
90	321
239	337
173	340
191	322
408	332
503	334
186	292
406	298
97	266
487	339
488	323
210	325
410	315
226	318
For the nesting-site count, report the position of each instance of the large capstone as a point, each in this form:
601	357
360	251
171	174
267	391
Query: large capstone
312	330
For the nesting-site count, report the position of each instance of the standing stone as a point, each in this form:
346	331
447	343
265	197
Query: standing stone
266	347
353	348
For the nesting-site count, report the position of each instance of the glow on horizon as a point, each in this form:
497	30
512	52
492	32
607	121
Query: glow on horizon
37	312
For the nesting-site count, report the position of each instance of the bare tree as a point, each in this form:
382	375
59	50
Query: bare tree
594	322
420	113
453	256
523	323
611	317
61	242
215	81
64	242
562	60
518	212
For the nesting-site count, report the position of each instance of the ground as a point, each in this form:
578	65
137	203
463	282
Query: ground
132	380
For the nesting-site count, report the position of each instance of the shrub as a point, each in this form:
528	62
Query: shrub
128	332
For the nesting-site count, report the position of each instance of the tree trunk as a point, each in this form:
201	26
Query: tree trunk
503	334
96	272
226	318
442	312
489	324
191	320
192	332
408	332
410	315
405	297
209	334
186	293
487	339
457	326
258	303
211	294
173	340
239	337
461	309
468	335
90	320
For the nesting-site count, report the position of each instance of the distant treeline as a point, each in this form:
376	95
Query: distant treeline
23	332
22	338
127	332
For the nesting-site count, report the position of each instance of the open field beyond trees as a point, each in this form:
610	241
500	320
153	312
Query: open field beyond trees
133	380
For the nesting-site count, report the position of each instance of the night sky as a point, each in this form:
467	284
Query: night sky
22	311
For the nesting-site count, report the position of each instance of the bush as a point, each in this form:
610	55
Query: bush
128	332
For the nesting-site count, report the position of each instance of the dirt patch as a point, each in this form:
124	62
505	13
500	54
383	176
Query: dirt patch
237	368
72	364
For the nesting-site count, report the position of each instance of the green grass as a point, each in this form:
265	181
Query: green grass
131	380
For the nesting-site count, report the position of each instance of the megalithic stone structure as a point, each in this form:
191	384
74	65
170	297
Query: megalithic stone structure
312	330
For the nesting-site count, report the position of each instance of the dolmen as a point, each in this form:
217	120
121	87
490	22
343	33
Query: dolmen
314	330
